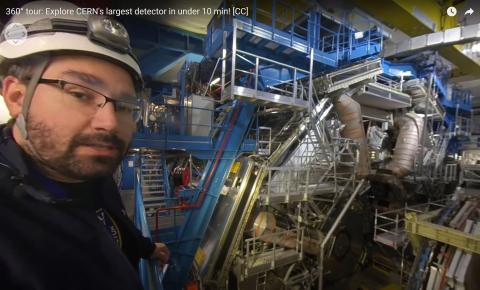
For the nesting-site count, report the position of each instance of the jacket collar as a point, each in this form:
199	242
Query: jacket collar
10	152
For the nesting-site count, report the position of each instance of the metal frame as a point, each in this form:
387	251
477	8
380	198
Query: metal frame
389	226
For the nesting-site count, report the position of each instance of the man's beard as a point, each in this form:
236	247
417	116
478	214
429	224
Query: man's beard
68	164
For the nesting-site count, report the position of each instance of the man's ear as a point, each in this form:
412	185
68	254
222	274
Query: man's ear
13	93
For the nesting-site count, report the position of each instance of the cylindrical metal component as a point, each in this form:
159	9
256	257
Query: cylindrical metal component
265	223
265	228
406	147
290	240
350	113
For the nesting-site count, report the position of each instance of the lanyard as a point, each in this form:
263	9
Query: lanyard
110	225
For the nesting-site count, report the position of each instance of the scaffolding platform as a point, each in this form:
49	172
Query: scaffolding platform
378	95
266	98
263	262
393	240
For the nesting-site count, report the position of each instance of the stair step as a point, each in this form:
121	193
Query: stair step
155	188
152	181
155	193
146	180
152	185
150	192
159	189
153	175
153	200
156	205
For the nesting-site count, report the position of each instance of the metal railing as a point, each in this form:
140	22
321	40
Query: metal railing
391	84
290	183
449	172
463	125
264	140
389	226
345	77
470	174
169	119
266	252
150	275
313	174
176	120
266	75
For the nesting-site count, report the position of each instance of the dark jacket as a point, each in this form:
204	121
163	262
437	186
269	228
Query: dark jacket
48	243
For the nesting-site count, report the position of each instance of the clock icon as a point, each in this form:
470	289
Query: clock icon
451	11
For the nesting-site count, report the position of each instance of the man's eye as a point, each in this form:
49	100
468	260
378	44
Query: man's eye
81	96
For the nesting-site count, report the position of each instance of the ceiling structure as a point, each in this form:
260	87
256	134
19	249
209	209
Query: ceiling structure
196	25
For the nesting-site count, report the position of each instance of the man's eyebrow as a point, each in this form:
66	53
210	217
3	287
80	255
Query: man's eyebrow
85	77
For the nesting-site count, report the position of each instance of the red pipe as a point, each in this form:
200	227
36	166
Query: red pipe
209	180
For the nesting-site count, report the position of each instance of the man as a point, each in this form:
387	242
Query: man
71	88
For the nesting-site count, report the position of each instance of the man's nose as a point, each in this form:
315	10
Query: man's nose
105	118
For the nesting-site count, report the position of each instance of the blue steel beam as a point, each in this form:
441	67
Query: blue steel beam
200	147
197	219
158	46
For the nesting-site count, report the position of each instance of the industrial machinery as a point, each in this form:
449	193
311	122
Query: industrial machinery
286	157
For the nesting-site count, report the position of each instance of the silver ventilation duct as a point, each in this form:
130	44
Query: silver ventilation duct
406	148
350	113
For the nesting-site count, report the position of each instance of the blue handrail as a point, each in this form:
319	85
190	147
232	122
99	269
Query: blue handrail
150	276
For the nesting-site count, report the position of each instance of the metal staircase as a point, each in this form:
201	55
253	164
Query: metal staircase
152	182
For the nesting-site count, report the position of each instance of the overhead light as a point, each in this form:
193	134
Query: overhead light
215	81
358	35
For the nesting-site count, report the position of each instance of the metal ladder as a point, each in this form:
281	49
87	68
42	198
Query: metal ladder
261	281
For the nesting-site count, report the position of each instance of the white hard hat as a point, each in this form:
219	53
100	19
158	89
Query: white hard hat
56	27
60	27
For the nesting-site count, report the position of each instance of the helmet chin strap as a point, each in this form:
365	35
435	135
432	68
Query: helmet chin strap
21	120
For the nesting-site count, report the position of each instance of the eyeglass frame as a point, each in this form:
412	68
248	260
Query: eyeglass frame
62	83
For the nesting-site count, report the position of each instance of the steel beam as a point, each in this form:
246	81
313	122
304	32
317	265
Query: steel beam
417	18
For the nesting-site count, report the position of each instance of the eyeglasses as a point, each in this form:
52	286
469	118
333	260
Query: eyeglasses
89	101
